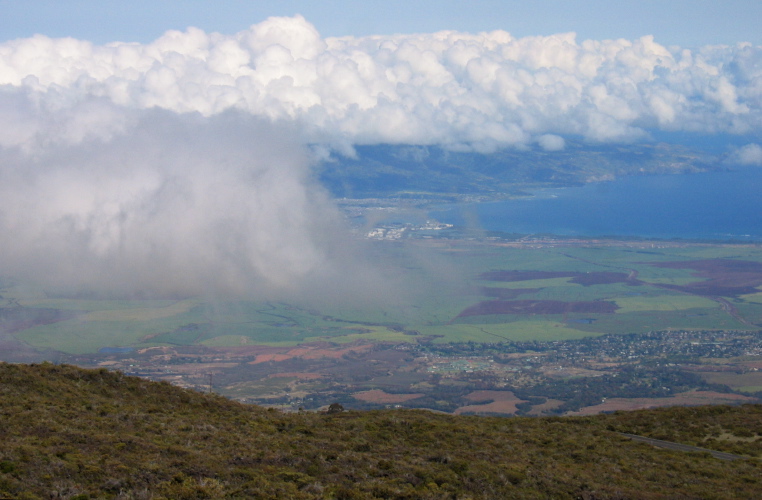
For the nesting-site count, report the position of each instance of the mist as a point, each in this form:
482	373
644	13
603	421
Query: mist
164	204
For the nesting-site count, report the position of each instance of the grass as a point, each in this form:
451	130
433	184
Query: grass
669	278
377	333
141	313
95	305
443	282
227	341
81	337
643	321
751	312
520	330
742	252
752	297
662	303
541	283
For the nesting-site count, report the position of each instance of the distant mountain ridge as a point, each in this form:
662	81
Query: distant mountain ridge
400	170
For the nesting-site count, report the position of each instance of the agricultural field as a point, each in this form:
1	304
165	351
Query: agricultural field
502	292
449	292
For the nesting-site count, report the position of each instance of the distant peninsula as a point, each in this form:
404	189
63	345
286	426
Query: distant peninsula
433	173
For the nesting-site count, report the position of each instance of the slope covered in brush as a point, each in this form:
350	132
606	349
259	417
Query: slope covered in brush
66	432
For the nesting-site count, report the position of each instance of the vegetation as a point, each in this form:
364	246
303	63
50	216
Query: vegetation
469	297
429	173
71	433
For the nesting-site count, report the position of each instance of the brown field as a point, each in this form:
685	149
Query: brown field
264	358
550	404
751	364
306	351
538	307
723	278
571	371
203	367
691	398
501	402
381	397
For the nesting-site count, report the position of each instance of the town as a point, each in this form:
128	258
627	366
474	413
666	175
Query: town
554	377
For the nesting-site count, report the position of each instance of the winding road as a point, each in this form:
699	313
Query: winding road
682	447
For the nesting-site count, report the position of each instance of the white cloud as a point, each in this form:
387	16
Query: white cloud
550	142
446	88
169	205
751	154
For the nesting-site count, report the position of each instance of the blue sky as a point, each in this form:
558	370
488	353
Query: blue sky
687	23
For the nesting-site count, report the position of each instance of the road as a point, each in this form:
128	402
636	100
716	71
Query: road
682	447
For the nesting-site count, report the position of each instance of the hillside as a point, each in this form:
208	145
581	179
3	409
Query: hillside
67	432
433	173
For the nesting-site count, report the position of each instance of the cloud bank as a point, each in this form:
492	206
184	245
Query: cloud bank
485	90
179	166
168	205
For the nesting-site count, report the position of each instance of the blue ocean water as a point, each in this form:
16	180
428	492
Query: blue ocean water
718	205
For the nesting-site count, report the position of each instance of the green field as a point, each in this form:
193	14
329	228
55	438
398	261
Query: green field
435	285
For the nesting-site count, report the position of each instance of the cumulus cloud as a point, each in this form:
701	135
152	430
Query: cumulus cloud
487	89
550	142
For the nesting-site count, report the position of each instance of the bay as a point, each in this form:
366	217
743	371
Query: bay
720	206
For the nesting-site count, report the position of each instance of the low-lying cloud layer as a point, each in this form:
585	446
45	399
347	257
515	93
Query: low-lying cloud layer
179	166
485	90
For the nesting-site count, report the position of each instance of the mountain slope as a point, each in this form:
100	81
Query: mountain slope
430	171
66	432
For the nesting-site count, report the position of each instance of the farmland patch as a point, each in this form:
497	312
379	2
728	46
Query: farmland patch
503	402
721	277
691	398
382	397
662	303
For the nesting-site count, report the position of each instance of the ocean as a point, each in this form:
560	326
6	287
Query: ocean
720	206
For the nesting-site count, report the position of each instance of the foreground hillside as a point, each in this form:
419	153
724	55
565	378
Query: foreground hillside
66	432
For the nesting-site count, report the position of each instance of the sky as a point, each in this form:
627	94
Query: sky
688	23
167	147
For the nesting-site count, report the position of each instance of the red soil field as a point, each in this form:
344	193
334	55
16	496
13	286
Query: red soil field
500	402
381	397
307	351
691	398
